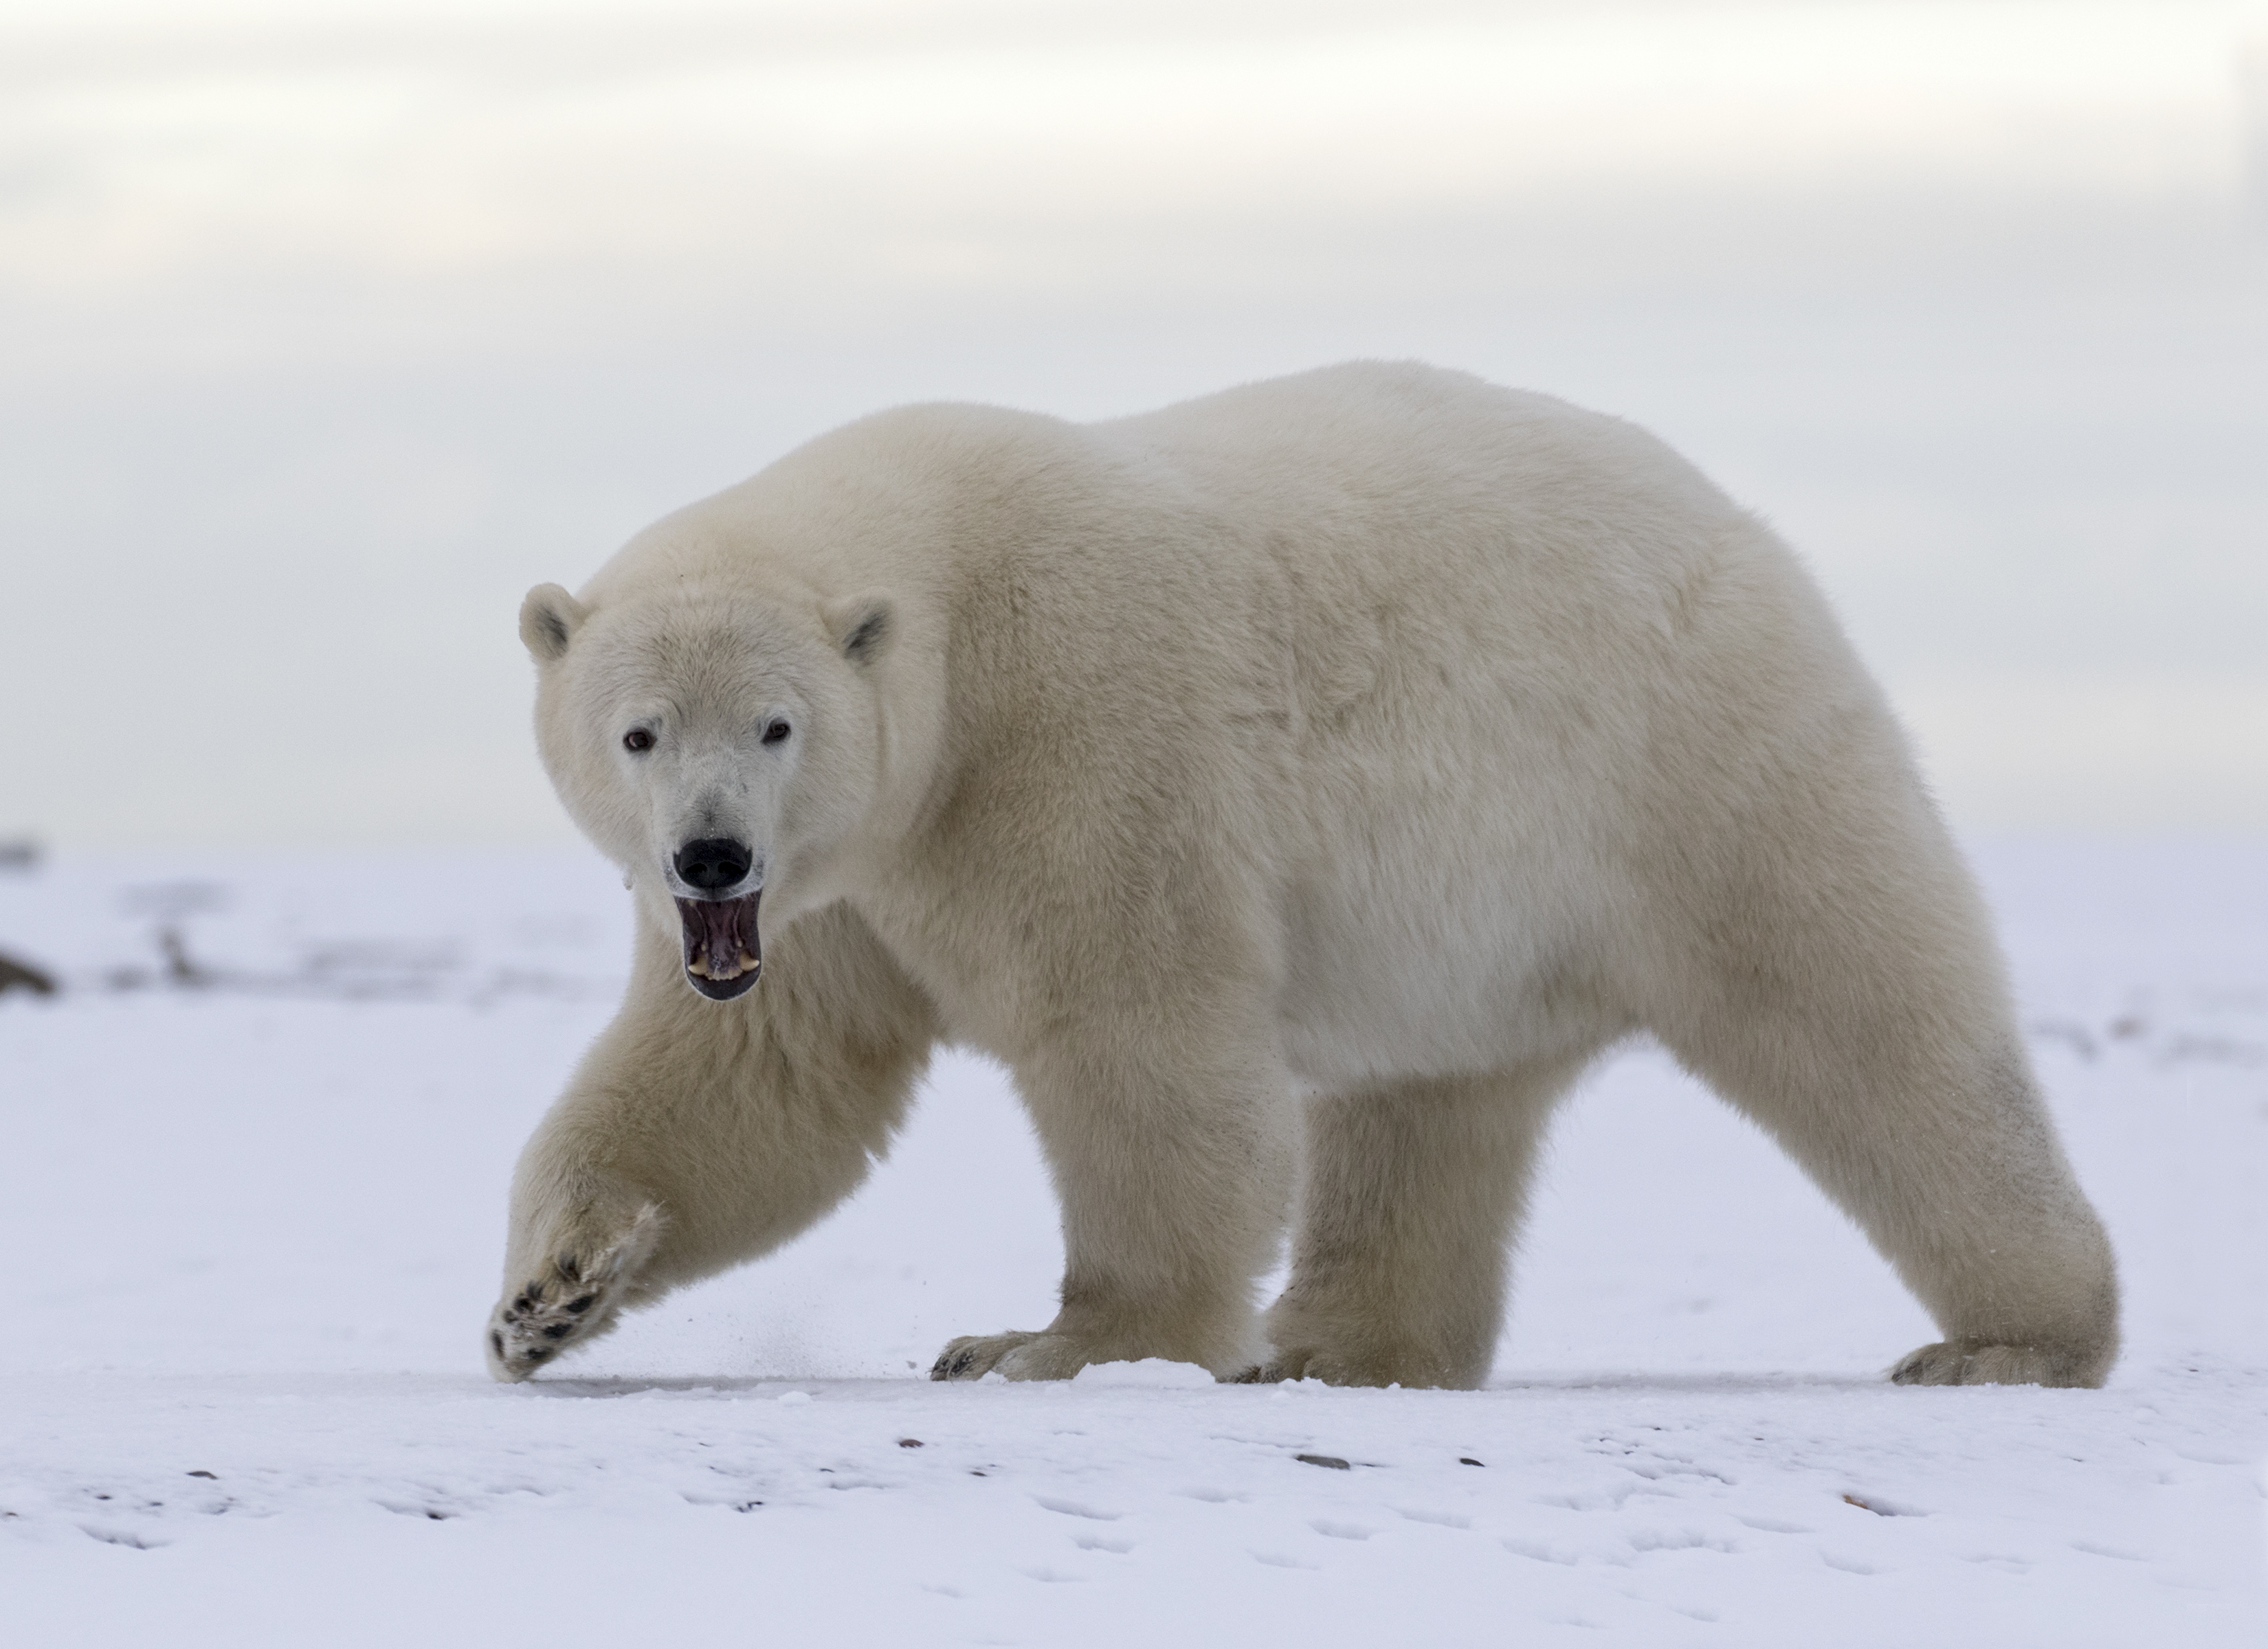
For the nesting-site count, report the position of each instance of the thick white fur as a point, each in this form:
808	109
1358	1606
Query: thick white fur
1295	789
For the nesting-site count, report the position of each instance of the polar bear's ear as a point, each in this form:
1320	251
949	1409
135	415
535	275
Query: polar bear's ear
549	620
860	625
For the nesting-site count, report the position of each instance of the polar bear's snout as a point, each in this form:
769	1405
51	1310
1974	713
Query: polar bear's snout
713	864
723	955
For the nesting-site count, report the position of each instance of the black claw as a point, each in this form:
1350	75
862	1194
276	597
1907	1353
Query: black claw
535	1291
570	1268
496	1340
581	1304
559	1332
535	1353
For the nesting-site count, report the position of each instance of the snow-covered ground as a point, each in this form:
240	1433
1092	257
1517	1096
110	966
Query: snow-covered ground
254	1188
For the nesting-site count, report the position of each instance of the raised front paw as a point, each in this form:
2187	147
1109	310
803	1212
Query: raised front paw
575	1296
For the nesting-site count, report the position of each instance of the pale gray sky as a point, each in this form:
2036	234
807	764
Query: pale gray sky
330	328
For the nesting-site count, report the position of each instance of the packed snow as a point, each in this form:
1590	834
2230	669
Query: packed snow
257	1151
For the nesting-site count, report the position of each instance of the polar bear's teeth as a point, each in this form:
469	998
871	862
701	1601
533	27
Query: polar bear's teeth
698	967
747	961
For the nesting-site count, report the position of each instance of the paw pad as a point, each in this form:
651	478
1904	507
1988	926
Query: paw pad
533	1325
575	1298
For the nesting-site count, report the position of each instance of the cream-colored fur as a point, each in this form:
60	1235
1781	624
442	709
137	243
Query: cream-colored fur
1295	789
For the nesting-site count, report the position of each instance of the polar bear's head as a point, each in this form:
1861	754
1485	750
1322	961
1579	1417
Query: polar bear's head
724	748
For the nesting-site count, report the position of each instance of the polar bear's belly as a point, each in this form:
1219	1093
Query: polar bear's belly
1401	975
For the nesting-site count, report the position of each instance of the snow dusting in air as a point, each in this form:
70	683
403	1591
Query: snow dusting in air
257	1148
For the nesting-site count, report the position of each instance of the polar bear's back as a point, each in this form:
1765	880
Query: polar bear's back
1398	465
1426	526
1479	577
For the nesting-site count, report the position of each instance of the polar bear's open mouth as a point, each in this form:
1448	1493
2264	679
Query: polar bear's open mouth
722	954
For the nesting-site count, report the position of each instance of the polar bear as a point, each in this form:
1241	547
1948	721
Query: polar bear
1295	789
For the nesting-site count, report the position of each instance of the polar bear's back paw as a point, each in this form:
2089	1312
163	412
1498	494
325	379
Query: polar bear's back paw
1982	1363
575	1297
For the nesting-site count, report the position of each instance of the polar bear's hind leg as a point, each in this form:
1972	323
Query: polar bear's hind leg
1874	1040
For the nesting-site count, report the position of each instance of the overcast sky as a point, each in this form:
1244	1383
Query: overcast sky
328	328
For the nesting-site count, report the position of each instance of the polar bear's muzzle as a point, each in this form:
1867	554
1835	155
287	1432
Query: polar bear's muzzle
722	953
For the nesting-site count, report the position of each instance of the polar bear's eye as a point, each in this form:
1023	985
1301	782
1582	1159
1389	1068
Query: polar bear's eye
637	738
774	731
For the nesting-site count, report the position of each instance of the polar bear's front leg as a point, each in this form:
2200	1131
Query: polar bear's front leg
699	1134
1173	1167
1413	1193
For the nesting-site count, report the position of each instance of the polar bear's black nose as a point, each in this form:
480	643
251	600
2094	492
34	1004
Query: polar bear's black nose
713	865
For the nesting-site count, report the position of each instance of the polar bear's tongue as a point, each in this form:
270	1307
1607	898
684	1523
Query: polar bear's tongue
722	955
